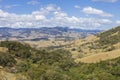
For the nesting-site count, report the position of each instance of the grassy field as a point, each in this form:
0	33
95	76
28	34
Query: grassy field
3	49
49	43
100	57
6	75
80	48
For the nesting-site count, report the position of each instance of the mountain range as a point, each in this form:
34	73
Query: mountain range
44	33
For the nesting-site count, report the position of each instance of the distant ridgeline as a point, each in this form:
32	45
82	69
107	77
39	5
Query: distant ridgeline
44	33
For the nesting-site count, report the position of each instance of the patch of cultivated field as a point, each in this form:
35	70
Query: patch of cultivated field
100	57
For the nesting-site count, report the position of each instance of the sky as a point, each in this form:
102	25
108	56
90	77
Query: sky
83	14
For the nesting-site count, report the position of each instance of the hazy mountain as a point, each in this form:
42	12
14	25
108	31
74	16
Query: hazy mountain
44	33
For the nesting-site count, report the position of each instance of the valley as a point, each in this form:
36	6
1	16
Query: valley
59	40
45	37
76	59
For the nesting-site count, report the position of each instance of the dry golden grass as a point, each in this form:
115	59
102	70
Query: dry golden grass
117	46
100	57
43	43
7	76
11	76
77	43
3	49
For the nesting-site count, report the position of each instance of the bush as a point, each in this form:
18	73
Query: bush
6	59
17	49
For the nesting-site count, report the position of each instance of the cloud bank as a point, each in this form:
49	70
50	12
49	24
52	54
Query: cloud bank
51	16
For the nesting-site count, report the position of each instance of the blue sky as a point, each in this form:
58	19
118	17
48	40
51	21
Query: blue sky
84	14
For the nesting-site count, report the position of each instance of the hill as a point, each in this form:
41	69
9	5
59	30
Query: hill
84	59
110	37
22	62
98	45
100	57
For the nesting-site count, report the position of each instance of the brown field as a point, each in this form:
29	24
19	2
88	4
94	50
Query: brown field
3	49
43	43
77	43
6	76
100	57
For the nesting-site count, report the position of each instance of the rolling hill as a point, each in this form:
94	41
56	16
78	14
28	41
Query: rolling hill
95	48
22	62
96	57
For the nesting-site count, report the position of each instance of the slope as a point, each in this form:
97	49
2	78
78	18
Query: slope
97	47
100	57
51	65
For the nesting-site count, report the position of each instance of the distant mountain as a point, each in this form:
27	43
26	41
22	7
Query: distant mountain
44	33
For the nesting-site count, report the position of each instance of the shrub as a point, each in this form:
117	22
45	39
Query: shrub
6	59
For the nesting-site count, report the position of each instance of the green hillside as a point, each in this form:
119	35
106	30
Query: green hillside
110	37
27	63
103	42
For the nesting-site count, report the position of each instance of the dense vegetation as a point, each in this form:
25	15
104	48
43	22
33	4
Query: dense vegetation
110	37
54	65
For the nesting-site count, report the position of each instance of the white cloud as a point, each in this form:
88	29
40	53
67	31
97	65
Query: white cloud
94	11
77	6
49	16
40	17
118	22
46	10
33	2
106	0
